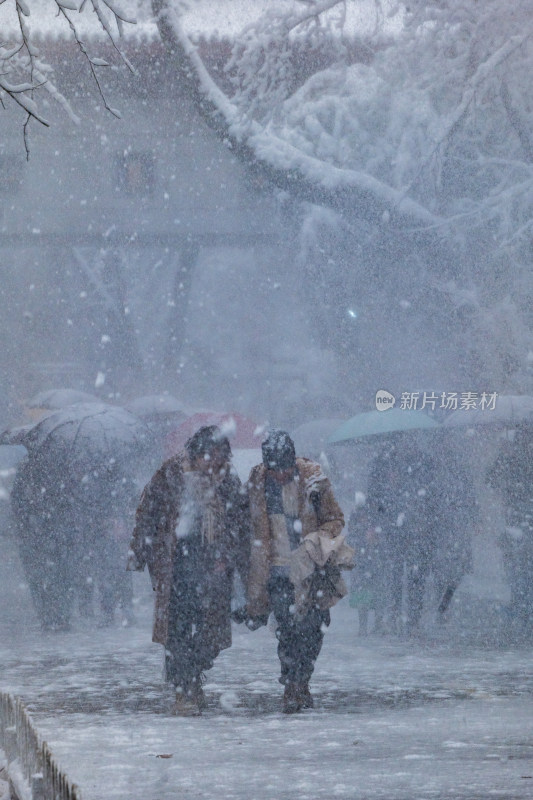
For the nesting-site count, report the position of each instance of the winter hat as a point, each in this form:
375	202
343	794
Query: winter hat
278	451
207	439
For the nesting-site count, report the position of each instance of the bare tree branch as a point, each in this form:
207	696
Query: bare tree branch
24	75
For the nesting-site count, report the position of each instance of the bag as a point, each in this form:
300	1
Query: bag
327	585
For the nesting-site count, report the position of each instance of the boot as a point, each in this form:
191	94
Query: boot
363	622
197	694
296	697
305	696
185	705
292	701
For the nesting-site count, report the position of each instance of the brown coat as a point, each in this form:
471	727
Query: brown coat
318	511
153	543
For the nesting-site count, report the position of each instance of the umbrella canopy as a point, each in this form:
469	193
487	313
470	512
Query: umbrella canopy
372	423
55	399
311	438
242	432
15	435
154	405
508	411
92	432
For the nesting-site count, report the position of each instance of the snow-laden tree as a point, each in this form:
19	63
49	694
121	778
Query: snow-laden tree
420	149
428	142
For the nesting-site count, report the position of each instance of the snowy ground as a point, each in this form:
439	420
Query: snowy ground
440	718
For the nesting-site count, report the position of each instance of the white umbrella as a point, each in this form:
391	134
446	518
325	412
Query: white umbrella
506	410
154	405
61	398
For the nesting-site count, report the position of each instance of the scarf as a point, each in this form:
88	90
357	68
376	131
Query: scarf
285	525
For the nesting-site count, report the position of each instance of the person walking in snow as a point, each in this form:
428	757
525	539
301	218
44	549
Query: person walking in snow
400	502
295	559
192	531
456	519
512	473
368	589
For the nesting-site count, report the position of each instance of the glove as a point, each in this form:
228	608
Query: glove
253	623
240	615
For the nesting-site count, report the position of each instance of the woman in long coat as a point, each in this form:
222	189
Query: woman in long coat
192	531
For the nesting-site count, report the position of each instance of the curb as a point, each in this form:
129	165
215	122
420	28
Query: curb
31	770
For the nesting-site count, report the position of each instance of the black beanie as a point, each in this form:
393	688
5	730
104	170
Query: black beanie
205	440
278	451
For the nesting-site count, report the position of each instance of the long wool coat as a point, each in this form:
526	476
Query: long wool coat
318	511
154	543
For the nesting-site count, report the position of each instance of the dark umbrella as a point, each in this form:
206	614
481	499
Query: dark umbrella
88	432
15	435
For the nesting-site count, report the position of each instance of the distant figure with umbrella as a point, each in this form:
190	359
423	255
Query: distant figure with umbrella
456	516
512	473
66	498
393	530
400	498
45	544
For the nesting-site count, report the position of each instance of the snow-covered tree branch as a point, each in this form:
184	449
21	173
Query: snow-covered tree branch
427	137
25	72
380	140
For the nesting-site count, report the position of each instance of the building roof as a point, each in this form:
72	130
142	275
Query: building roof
211	18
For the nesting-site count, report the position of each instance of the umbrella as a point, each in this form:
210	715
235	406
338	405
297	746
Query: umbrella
155	405
243	433
311	438
371	423
15	435
87	432
60	398
509	410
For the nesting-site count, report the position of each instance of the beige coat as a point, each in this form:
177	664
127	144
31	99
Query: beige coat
318	512
154	542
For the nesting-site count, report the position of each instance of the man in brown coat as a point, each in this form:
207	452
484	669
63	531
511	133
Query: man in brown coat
192	530
295	559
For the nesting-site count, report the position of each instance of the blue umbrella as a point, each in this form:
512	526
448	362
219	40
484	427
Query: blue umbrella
372	423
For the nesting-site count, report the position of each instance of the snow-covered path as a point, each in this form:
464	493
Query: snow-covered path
393	719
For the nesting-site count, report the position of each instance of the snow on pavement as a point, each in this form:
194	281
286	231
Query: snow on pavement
392	719
402	720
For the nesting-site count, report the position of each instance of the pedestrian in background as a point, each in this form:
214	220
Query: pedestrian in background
400	503
368	585
512	473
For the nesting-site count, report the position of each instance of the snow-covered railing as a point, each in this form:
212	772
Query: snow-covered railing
32	770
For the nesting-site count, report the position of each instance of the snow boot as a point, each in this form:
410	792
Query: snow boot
296	697
306	696
197	693
185	705
292	702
